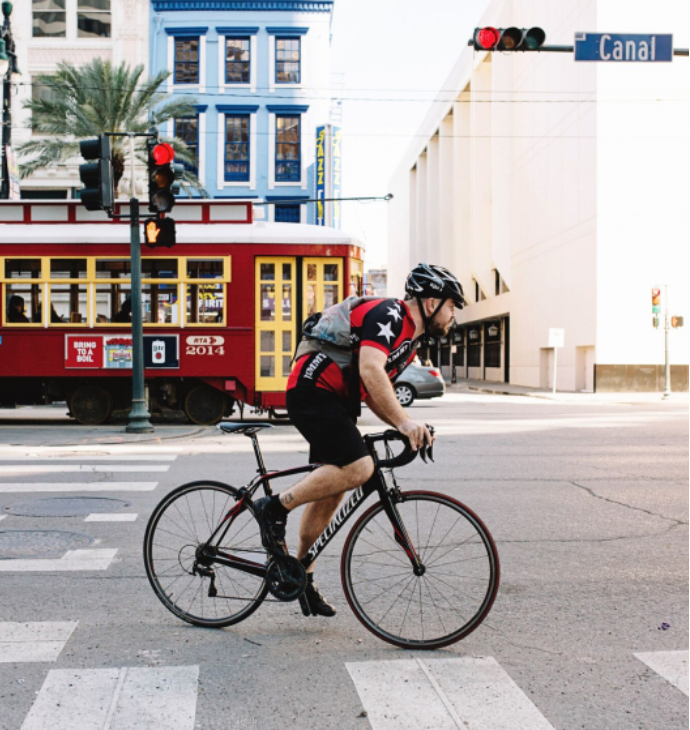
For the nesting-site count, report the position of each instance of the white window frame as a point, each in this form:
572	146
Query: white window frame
222	85
200	88
71	28
253	136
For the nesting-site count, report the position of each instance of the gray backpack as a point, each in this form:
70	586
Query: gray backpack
330	332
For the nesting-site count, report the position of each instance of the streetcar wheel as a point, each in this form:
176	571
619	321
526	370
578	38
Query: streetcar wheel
91	405
204	405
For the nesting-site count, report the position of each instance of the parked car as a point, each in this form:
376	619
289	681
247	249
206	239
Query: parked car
419	381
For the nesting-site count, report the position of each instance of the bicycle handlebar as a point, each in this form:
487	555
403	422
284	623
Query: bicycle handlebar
407	455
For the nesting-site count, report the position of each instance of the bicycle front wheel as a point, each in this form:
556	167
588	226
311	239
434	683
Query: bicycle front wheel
459	581
180	525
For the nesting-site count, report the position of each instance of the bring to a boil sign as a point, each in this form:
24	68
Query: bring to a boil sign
83	352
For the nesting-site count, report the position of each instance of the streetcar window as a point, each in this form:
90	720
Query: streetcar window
198	269
159	268
68	304
268	341
205	303
22	268
110	303
113	268
23	303
68	268
268	303
268	272
330	272
287	272
267	366
159	304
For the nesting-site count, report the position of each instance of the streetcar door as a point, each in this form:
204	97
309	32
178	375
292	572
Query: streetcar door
275	320
322	284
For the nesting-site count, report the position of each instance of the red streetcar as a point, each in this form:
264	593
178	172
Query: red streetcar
222	309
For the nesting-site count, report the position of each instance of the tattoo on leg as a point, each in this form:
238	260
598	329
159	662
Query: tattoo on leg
286	498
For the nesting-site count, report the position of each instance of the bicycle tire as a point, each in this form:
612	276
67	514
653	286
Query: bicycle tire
367	521
150	558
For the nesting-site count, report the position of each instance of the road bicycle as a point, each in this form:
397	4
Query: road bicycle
419	569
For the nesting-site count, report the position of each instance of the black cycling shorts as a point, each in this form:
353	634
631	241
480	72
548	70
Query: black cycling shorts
322	418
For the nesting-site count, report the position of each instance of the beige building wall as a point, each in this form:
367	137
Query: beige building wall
129	41
564	200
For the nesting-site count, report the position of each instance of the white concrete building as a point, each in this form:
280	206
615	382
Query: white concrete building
75	31
557	191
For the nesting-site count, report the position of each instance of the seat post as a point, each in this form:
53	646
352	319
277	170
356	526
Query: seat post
258	454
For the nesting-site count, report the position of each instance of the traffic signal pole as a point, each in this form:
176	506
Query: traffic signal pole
139	416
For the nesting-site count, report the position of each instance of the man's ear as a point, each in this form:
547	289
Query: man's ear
430	305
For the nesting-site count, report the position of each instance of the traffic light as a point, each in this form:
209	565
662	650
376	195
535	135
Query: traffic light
656	305
163	176
508	39
676	322
98	192
159	232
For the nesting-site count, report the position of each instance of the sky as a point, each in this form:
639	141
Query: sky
391	57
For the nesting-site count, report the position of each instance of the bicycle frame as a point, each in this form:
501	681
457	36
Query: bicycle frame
377	482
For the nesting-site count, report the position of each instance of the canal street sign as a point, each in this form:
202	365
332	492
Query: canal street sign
623	47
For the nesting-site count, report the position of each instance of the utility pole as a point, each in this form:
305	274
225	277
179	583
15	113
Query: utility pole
667	363
9	72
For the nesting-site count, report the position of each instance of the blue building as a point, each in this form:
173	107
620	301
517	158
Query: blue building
260	71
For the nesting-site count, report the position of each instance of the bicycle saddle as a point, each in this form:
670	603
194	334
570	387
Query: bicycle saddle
246	428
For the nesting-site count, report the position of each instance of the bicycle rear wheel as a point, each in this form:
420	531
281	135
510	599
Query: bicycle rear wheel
444	604
184	521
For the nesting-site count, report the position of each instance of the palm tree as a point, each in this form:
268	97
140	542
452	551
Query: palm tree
89	100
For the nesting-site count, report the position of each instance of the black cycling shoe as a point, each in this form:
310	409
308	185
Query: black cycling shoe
313	603
272	527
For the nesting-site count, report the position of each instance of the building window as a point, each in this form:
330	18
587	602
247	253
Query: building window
492	344
474	348
49	19
237	60
237	148
288	60
290	213
288	158
187	129
186	60
93	19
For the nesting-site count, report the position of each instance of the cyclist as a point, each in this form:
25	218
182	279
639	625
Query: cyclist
385	334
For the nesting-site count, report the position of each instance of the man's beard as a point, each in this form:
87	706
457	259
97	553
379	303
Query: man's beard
436	329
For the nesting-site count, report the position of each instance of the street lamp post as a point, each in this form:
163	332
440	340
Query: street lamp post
9	70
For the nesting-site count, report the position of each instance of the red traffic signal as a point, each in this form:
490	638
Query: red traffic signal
486	39
163	154
656	298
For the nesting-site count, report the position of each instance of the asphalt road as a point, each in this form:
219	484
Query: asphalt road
588	504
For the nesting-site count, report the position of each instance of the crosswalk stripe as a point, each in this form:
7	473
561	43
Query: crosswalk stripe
113	457
671	665
40	641
7	487
443	694
88	468
93	559
132	698
112	517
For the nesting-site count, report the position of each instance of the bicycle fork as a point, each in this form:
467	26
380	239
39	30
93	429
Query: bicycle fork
401	535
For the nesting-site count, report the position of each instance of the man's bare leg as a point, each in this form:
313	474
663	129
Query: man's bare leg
327	481
314	520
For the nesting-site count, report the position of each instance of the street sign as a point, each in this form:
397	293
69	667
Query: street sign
623	47
556	337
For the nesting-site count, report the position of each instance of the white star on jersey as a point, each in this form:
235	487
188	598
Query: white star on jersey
385	331
392	312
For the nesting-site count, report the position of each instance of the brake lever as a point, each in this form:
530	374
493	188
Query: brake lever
430	450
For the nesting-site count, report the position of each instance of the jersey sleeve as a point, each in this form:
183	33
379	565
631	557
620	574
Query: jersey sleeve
382	326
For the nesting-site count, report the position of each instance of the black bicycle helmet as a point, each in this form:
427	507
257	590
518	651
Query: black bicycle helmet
428	280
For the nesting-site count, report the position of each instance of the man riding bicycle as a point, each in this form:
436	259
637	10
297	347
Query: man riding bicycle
385	334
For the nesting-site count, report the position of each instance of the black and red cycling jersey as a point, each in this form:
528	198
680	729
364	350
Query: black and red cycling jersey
385	324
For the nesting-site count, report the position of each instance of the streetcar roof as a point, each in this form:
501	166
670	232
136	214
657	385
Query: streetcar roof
187	233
